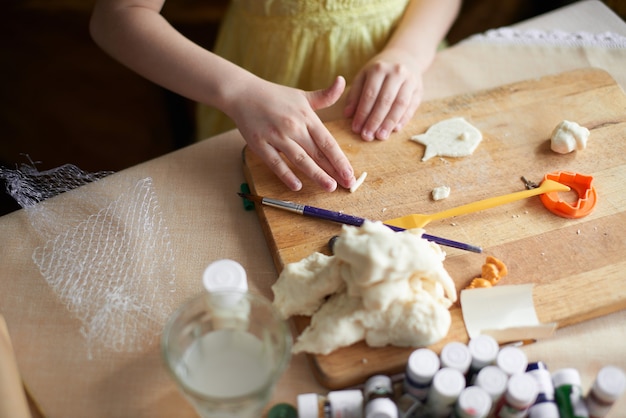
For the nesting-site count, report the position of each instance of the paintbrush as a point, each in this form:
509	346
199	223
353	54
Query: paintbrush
343	218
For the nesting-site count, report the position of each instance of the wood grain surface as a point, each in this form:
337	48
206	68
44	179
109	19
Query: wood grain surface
576	265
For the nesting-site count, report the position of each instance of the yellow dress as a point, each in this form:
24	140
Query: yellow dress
300	43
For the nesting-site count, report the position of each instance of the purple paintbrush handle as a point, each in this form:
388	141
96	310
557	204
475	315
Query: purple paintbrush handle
330	215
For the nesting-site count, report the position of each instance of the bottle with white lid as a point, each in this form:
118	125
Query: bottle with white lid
456	355
512	360
447	385
473	402
545	405
483	350
378	394
521	392
493	380
227	282
381	408
568	394
421	367
312	405
542	375
378	386
336	404
547	409
609	385
346	403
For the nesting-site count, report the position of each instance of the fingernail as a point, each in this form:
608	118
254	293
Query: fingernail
296	186
367	135
383	134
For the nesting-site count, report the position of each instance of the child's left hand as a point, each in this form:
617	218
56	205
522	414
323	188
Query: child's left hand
384	95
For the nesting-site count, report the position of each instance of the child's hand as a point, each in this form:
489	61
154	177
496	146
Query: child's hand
384	95
276	119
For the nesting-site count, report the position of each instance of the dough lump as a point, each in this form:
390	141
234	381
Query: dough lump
568	136
381	286
454	137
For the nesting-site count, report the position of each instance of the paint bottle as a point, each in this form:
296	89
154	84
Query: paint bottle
546	409
377	386
456	355
483	351
445	390
381	408
606	389
421	367
473	402
545	405
493	381
312	405
512	360
378	393
568	394
337	404
521	392
282	410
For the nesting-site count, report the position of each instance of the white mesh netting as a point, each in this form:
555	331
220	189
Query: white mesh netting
109	260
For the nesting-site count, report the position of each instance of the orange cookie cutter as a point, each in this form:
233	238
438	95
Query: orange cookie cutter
581	184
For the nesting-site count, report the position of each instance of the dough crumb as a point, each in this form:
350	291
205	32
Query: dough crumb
454	137
568	136
441	192
358	182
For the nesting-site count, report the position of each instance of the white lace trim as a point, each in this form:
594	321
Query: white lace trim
553	37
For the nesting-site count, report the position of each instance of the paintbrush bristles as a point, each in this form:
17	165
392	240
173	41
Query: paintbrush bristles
251	197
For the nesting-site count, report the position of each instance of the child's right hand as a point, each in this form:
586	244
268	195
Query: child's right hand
275	120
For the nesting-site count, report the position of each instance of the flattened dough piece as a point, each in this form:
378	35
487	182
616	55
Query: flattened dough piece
454	137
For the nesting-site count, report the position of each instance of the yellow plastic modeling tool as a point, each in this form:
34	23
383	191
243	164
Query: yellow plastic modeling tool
419	221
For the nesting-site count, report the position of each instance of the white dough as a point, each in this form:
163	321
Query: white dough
454	137
569	136
385	287
441	192
358	182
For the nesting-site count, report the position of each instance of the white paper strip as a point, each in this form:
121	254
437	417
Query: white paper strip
507	313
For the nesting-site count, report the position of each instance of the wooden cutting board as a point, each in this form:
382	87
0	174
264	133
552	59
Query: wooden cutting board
577	266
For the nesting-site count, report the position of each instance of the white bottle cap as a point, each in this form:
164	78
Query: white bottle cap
543	378
381	408
521	390
346	402
422	365
308	405
380	385
544	410
484	350
493	380
457	356
566	376
610	383
225	275
473	401
447	386
512	360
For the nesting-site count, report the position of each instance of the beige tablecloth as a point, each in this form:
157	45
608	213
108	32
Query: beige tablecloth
196	189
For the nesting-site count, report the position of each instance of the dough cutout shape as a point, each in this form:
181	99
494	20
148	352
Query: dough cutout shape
454	137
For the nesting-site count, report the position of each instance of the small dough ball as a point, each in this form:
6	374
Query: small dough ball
569	136
441	192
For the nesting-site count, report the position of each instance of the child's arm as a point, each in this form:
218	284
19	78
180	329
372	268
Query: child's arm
387	91
273	119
